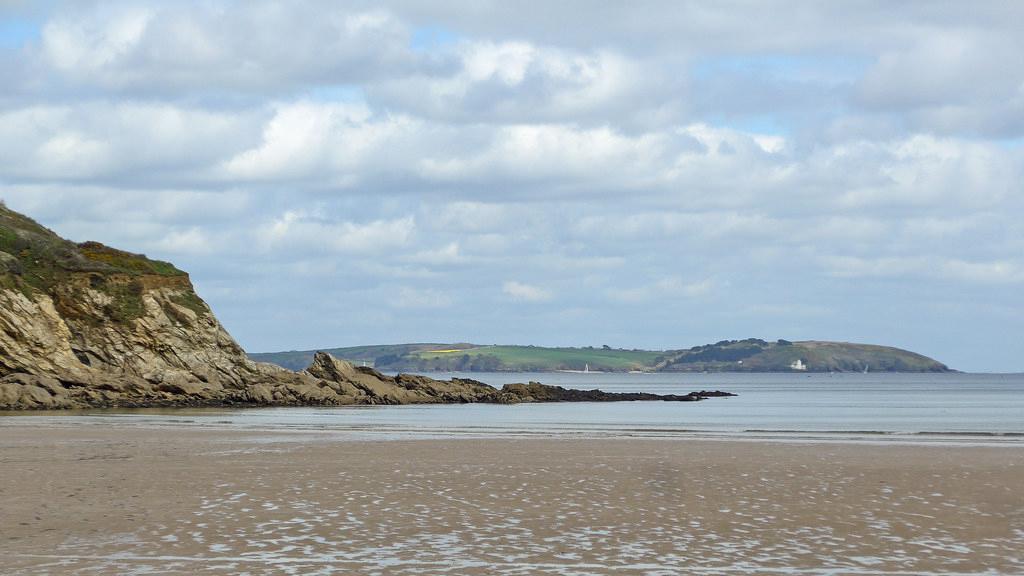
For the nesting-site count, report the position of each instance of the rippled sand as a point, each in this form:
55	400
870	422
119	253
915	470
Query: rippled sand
108	500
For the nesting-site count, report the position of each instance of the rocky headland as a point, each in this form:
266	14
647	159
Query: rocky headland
86	325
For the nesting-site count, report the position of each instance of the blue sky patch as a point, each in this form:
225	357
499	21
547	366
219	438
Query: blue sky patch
427	38
337	93
16	32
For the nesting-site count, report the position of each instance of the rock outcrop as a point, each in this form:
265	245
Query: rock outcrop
537	392
85	325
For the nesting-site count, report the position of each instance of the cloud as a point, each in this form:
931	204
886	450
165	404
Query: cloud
520	292
114	142
298	230
445	255
977	272
421	298
88	47
159	48
959	82
520	82
303	139
191	240
704	171
662	290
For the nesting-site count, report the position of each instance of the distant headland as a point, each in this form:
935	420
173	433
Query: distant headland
750	355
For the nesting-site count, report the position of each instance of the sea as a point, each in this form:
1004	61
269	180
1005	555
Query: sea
975	409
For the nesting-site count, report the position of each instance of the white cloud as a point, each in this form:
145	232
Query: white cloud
521	292
111	142
445	255
663	289
193	240
86	47
972	272
421	298
472	216
520	82
960	81
298	230
306	139
182	47
556	154
997	272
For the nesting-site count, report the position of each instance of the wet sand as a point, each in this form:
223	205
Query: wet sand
108	500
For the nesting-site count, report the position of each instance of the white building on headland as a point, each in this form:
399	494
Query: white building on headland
798	364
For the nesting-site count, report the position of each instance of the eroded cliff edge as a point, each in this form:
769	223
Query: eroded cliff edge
86	325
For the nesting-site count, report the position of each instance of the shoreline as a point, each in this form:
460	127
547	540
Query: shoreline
971	411
496	422
127	500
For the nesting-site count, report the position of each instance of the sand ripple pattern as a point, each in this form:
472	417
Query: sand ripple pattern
202	504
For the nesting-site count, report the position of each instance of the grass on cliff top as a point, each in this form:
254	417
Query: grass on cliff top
126	261
40	259
35	259
536	358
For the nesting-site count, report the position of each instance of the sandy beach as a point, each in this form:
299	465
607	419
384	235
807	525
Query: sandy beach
108	500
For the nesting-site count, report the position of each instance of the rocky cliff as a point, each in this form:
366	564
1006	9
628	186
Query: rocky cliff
86	325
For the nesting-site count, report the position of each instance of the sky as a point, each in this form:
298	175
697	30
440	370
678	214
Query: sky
634	174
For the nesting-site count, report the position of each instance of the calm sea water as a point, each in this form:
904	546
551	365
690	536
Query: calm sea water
974	408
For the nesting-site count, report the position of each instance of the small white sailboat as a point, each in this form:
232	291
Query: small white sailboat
586	370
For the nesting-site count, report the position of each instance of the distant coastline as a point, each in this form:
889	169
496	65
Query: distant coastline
749	355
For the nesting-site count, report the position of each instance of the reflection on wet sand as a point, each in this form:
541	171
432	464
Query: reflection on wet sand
102	501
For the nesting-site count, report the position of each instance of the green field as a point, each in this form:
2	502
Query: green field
533	358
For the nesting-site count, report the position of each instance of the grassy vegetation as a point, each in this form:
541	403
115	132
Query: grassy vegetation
191	301
125	261
126	303
529	358
34	259
43	259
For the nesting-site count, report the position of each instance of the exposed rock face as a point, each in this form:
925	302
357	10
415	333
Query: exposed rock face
74	338
84	325
367	386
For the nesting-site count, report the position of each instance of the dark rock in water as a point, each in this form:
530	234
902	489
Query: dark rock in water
537	392
714	394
